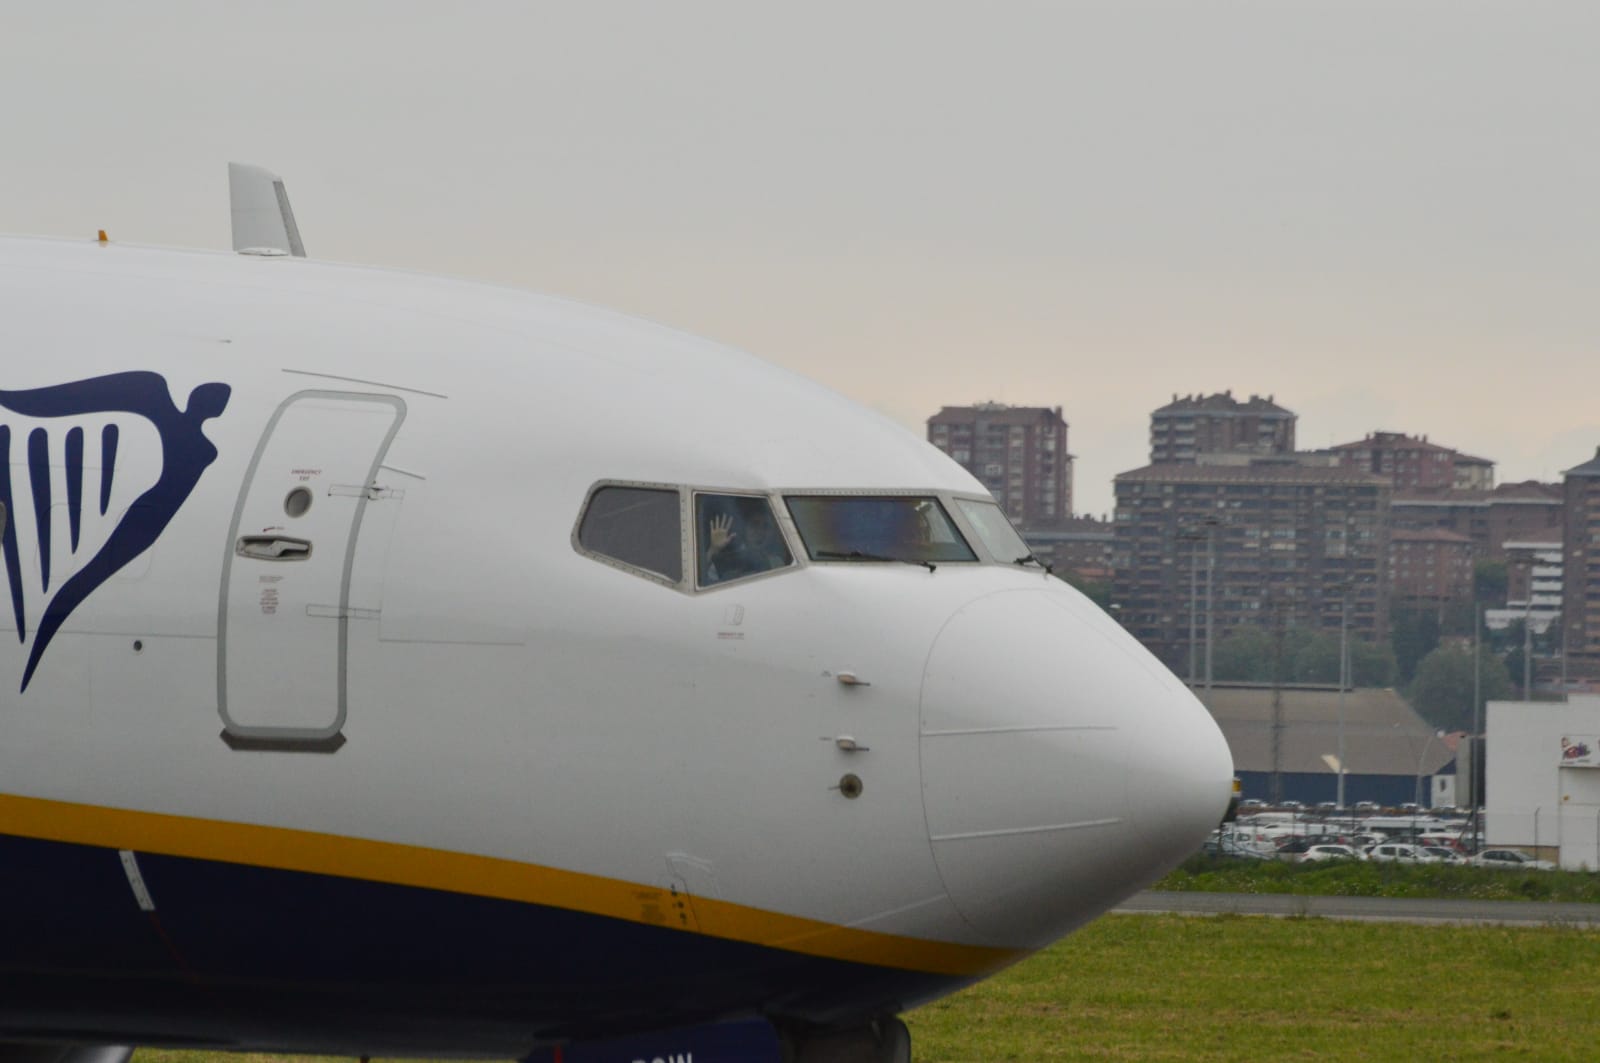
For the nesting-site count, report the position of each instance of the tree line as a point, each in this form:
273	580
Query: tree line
1428	656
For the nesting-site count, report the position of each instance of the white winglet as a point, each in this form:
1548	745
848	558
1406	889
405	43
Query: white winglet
263	223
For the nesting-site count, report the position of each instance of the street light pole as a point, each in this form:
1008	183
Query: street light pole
1420	759
1562	620
1479	760
1211	571
1344	680
1527	642
1194	596
1192	537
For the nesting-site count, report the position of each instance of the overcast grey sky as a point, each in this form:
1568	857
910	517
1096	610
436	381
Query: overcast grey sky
1387	215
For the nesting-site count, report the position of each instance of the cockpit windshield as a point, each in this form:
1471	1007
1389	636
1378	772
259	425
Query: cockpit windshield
996	532
889	528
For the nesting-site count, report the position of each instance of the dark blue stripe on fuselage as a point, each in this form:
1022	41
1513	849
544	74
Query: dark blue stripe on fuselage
108	464
255	957
39	477
75	483
8	541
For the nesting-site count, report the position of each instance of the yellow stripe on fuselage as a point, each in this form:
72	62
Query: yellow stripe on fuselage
481	876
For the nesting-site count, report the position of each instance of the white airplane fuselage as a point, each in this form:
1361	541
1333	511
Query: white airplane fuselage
409	770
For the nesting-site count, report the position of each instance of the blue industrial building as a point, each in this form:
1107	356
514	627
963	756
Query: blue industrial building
1391	755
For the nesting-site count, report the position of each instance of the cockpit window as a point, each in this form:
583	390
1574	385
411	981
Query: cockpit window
994	530
638	526
738	537
897	528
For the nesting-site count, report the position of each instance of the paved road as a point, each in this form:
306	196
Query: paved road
1378	909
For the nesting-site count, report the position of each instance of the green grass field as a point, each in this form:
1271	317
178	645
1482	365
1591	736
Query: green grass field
1139	987
1241	988
1363	879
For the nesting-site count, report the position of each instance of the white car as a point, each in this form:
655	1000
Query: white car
1396	853
1318	853
1445	854
1512	859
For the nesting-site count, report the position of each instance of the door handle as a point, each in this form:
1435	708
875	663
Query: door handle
273	548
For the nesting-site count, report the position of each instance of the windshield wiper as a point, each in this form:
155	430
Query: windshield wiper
1026	558
859	555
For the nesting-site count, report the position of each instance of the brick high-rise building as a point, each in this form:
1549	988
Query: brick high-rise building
1474	474
1082	546
1462	512
1581	569
1018	452
1431	567
1528	511
1195	425
1535	596
1515	512
1534	586
1413	464
1289	541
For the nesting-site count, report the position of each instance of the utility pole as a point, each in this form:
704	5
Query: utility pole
1479	761
1277	702
1211	570
1562	620
1344	679
1527	642
1193	537
1194	596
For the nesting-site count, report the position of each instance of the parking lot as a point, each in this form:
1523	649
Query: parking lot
1404	835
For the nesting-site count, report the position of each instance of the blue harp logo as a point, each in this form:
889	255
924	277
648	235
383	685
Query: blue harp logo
29	454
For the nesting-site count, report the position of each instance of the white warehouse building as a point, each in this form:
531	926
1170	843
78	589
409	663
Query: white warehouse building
1543	778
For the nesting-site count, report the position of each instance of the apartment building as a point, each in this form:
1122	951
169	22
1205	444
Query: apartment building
1581	569
1083	546
1430	567
1535	586
1019	453
1473	474
1195	425
1528	511
1415	465
1465	513
1281	540
1515	512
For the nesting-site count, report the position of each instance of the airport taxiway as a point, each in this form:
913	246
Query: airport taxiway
1372	909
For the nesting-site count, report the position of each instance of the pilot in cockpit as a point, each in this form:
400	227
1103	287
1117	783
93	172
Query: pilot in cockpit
914	538
742	540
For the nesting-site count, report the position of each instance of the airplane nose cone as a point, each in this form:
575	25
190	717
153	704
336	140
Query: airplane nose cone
1063	766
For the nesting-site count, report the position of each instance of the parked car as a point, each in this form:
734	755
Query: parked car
1445	854
1228	843
1293	806
1398	853
1252	802
1319	853
1511	859
1445	841
1366	806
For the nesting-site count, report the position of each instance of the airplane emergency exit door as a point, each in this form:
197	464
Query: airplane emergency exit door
284	619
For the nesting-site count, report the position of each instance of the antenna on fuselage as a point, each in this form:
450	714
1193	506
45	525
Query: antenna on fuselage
263	222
